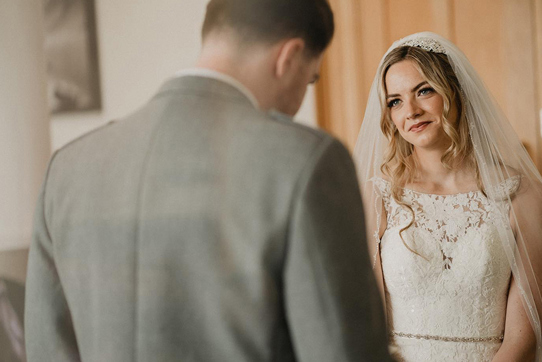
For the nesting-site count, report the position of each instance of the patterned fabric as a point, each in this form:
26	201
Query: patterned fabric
456	289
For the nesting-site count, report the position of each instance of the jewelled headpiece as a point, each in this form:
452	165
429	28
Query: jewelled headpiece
425	43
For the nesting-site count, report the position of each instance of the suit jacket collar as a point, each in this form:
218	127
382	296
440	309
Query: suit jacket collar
204	85
213	74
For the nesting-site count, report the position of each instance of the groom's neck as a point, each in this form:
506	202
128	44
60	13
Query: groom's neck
253	66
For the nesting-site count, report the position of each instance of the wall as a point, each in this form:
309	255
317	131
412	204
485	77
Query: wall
13	264
140	44
24	137
24	129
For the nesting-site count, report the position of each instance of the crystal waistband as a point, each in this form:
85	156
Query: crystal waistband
448	339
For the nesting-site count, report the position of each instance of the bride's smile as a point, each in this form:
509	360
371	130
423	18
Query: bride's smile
418	127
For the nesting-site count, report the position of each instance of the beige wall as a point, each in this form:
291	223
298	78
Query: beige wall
13	264
140	44
24	129
24	138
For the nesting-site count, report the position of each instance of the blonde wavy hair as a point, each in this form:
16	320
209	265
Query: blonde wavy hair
398	164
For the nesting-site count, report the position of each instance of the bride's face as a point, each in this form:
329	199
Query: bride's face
415	107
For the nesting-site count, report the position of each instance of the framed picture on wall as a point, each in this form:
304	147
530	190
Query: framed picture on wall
72	56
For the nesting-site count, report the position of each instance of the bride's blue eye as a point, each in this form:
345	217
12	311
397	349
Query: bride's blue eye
426	91
393	103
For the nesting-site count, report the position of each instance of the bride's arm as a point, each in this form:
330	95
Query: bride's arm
526	221
519	340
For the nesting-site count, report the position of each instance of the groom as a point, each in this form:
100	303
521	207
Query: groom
201	227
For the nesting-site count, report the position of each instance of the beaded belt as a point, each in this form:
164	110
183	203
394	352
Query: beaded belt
448	339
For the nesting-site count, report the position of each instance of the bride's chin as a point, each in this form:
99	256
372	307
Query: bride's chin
426	144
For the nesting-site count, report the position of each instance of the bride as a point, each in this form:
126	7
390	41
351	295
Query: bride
454	206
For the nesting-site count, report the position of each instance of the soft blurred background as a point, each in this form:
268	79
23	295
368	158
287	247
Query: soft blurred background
127	48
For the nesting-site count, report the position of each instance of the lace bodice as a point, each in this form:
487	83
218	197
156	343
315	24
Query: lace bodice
449	302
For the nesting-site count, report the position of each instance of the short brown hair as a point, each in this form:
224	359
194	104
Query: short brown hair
270	21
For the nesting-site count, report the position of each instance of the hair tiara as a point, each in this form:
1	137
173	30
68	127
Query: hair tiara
426	43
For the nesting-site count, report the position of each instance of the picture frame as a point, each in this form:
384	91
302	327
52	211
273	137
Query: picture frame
71	52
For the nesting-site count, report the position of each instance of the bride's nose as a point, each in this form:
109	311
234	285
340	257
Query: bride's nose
412	110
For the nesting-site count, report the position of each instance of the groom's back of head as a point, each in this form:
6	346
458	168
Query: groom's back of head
269	21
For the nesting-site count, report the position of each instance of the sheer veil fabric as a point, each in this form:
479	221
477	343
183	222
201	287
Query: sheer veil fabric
499	154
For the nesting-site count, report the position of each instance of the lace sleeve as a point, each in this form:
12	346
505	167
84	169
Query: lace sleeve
376	201
507	188
383	187
375	194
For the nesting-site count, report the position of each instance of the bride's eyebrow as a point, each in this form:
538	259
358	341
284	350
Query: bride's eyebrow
413	90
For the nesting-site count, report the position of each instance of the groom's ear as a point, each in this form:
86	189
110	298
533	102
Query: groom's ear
290	53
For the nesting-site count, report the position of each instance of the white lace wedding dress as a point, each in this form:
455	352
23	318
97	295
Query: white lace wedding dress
450	307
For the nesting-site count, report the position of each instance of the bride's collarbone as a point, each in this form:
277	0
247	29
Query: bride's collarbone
441	188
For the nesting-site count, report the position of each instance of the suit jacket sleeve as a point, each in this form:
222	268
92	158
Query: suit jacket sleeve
331	298
49	333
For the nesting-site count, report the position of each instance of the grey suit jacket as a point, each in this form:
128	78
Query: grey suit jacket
200	229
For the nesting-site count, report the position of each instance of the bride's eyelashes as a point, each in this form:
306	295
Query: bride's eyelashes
393	103
422	92
426	91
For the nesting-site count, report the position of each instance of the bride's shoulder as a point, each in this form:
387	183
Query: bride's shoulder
381	183
522	184
502	181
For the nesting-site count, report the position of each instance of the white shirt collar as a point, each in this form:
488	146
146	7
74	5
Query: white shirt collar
208	73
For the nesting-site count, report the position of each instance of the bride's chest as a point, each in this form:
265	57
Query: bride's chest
450	244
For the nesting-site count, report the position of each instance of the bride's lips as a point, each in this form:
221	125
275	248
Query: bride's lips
418	127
